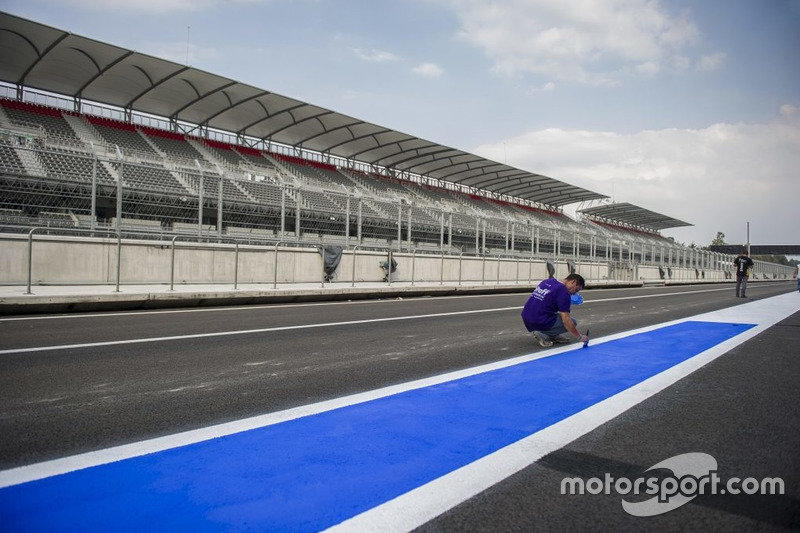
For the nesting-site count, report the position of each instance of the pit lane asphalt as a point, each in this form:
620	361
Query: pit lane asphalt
58	402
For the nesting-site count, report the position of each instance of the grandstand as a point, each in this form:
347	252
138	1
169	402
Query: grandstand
79	150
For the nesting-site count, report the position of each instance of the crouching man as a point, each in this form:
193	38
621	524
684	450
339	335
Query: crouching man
546	313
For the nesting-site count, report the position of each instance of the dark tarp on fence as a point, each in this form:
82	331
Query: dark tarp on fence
331	256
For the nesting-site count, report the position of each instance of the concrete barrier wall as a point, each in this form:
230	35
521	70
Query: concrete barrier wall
81	260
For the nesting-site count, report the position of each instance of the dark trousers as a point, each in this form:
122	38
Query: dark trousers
741	282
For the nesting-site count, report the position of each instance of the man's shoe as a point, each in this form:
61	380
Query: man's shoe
543	341
559	339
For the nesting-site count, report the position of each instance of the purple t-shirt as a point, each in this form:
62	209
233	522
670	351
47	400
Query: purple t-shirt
549	298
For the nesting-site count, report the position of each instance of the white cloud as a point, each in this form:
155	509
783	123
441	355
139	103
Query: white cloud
150	6
428	70
589	42
711	62
789	110
377	56
717	178
546	88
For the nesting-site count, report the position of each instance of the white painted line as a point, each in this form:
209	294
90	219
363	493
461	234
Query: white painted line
420	505
245	331
753	312
303	326
316	304
54	467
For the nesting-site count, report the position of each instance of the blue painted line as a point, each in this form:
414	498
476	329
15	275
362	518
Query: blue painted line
314	472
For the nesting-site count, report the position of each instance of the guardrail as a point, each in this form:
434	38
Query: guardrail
429	273
30	252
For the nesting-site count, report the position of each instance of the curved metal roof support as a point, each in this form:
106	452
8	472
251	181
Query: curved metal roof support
262	124
325	132
379	146
40	57
211	117
416	155
153	85
269	116
101	71
489	179
397	144
196	92
296	122
30	43
471	167
356	139
201	97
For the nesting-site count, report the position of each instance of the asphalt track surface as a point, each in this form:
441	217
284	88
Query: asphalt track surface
71	384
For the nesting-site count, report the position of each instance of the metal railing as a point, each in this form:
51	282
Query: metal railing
592	269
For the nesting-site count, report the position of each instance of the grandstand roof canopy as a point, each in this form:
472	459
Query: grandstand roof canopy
633	215
41	57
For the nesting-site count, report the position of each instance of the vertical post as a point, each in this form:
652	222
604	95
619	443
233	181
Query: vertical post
93	212
413	265
347	221
236	268
460	257
200	201
283	211
353	274
119	259
557	249
275	266
119	189
483	237
532	240
360	212
298	213
409	226
748	238
30	259
172	265
450	230
219	206
441	230
399	224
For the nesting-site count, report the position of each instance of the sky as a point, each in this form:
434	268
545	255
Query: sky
689	109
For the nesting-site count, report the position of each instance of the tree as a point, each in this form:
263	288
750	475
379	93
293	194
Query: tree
719	240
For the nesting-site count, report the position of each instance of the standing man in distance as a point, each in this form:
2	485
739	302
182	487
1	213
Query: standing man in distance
546	313
743	264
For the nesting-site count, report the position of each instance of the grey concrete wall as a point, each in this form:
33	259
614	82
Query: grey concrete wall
82	260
